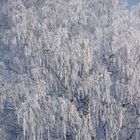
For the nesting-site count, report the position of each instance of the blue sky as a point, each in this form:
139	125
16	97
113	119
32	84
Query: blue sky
133	2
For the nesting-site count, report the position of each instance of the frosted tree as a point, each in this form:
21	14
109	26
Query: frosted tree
69	70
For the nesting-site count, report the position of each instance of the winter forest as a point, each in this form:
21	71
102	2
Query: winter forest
69	70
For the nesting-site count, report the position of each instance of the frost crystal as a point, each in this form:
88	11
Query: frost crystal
69	70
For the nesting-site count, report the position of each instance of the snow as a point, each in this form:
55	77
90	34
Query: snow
69	70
